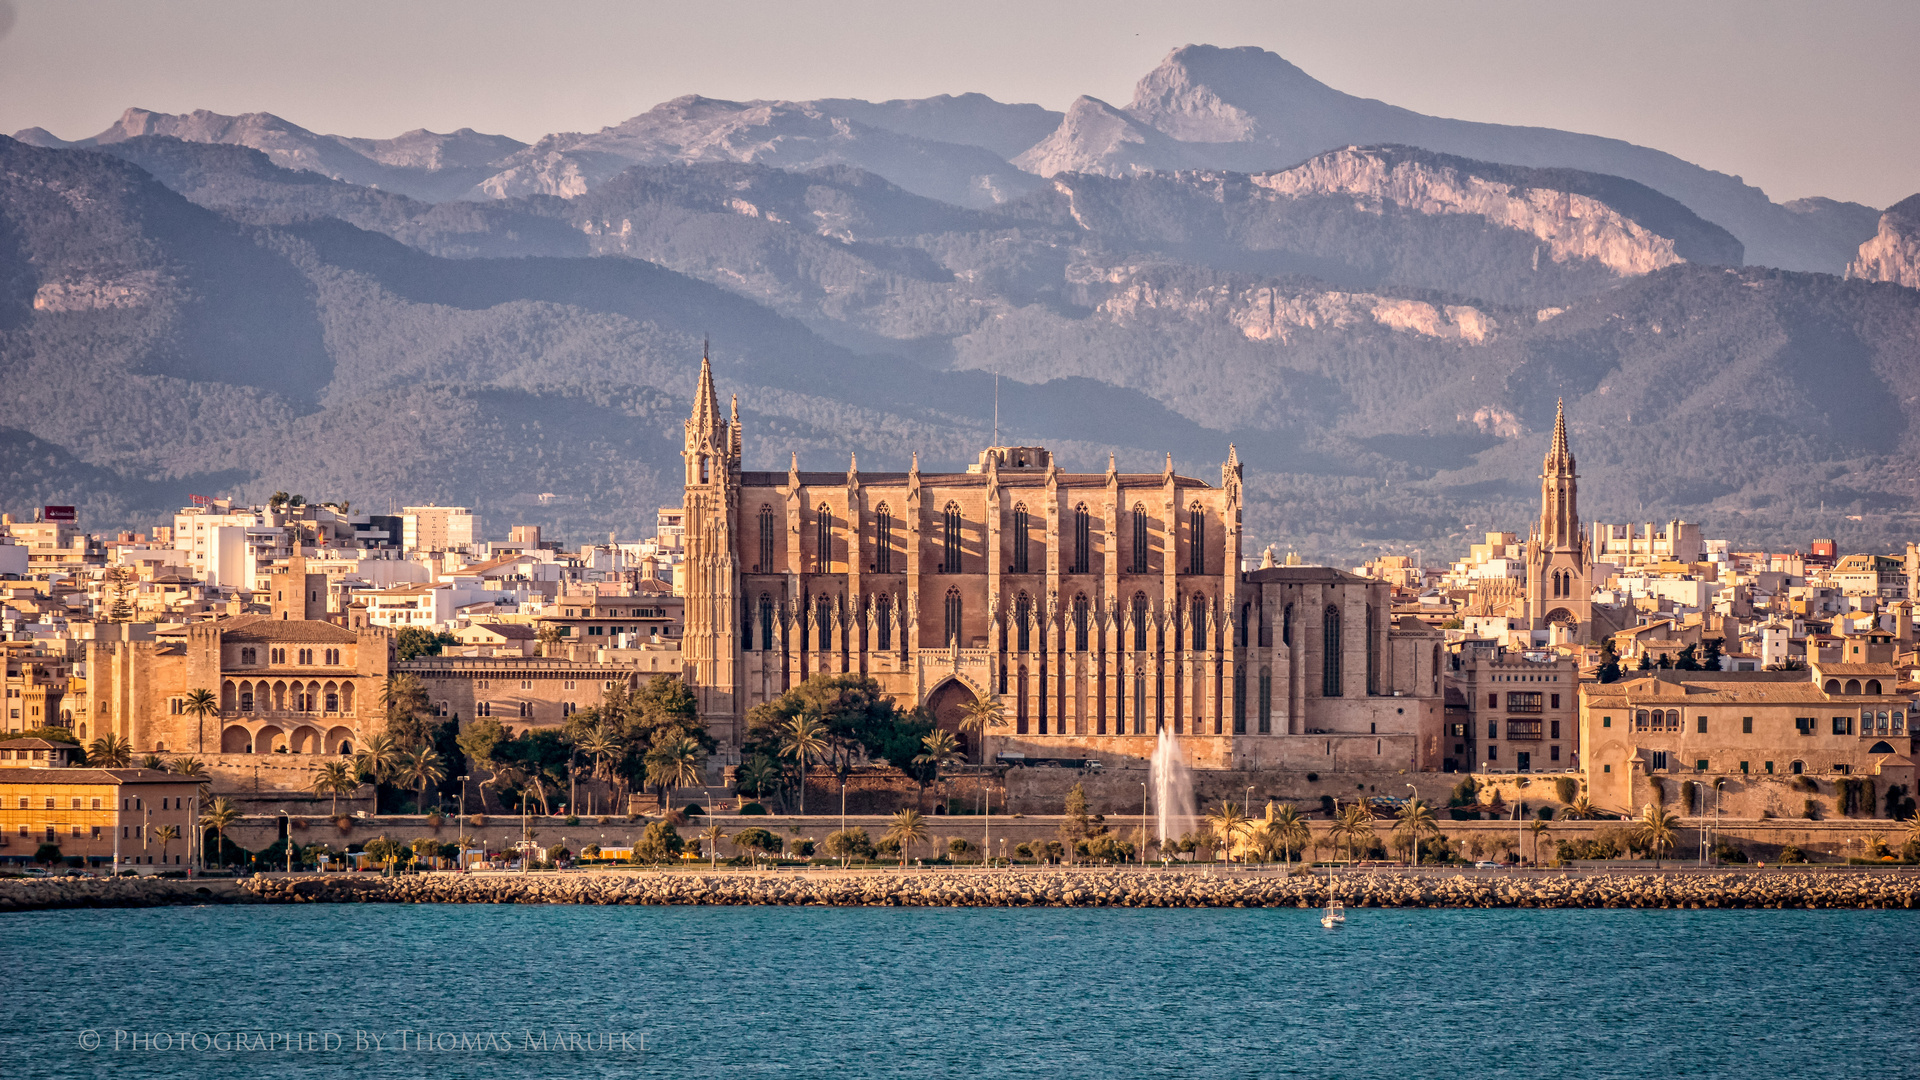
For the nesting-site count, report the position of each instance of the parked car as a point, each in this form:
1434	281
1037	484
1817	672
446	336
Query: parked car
1483	865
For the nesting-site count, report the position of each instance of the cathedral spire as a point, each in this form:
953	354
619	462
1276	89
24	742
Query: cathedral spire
705	420
1558	455
1559	526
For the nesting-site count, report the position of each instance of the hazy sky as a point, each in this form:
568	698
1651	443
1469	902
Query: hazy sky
1802	99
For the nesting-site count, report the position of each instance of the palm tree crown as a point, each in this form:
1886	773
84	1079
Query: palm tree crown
200	704
110	751
907	828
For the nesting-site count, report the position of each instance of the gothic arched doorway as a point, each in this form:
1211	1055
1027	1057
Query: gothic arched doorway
948	704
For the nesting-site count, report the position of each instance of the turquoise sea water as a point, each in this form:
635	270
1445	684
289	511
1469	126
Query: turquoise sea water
885	992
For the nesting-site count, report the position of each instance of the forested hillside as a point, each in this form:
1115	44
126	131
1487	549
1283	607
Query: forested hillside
188	317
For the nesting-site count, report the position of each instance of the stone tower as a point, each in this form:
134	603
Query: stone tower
712	510
1559	570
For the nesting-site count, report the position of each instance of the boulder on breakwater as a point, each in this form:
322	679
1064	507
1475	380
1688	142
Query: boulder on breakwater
1121	888
40	894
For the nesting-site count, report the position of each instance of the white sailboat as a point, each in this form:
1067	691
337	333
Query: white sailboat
1336	912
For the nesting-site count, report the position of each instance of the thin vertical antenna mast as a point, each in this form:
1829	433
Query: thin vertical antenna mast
996	407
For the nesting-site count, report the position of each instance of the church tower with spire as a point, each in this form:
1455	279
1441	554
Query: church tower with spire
712	510
1559	604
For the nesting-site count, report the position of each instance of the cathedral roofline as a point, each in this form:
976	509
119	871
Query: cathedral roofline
1010	478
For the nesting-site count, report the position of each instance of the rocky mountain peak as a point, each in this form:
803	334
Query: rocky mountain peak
1204	93
1893	254
1094	137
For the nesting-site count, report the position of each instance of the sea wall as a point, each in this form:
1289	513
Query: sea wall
1577	889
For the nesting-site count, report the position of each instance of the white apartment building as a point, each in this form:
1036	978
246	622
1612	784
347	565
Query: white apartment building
438	528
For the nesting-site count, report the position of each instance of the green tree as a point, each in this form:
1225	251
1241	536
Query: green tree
757	777
939	750
848	844
1227	824
420	767
153	762
335	778
1689	658
166	834
414	642
110	751
408	710
712	836
1354	828
804	739
1609	670
1658	831
201	704
191	768
220	816
378	758
659	843
1415	822
47	854
1646	661
980	716
681	763
387	851
906	829
1711	652
756	841
1537	828
1075	824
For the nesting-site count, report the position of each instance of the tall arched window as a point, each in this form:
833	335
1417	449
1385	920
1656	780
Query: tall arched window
1330	653
766	622
1020	523
1022	617
883	542
824	541
1139	539
1286	625
1196	539
823	617
953	616
883	622
1080	612
1082	541
1199	622
950	539
766	541
1265	701
1140	622
1264	635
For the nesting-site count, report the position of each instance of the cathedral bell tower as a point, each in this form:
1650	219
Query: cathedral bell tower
1559	569
711	585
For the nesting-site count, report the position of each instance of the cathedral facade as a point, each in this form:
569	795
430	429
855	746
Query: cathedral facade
1101	608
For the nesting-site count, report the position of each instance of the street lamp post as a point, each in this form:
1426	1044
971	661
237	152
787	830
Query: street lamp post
463	823
284	816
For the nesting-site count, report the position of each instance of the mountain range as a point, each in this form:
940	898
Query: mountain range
1379	308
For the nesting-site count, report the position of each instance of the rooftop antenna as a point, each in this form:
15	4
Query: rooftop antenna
996	406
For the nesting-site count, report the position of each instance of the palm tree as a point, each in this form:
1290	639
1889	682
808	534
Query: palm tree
1658	832
377	758
1289	828
154	762
1580	809
980	714
166	834
1353	826
1227	823
713	835
680	763
1538	828
403	697
199	705
757	776
191	768
942	749
110	751
219	816
420	767
1416	822
599	744
804	739
335	778
907	828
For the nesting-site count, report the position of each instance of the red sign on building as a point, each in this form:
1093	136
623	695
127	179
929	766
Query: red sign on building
59	513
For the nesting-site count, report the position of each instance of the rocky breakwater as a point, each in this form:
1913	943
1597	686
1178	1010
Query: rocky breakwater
1737	889
40	894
